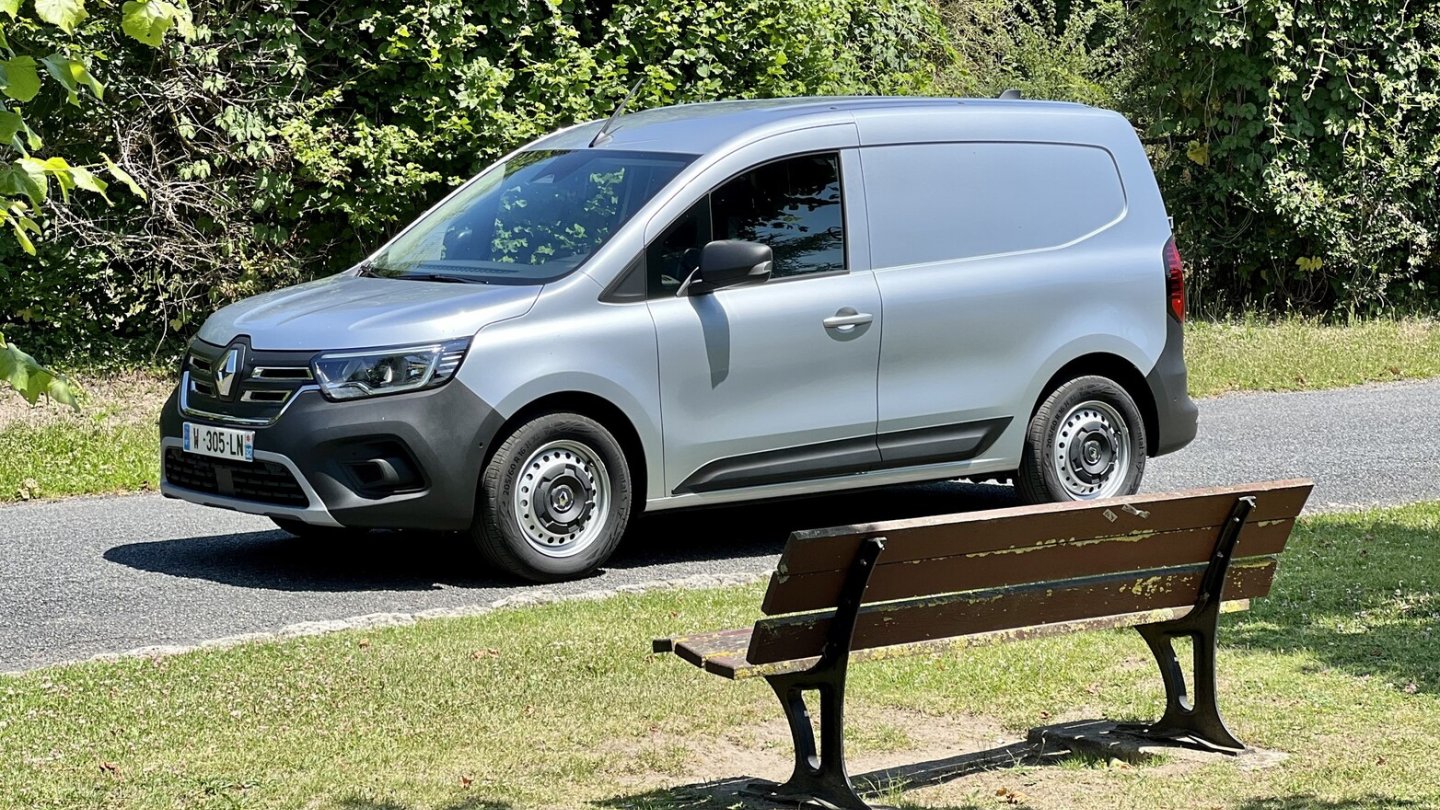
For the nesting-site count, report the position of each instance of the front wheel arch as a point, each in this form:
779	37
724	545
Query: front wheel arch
610	417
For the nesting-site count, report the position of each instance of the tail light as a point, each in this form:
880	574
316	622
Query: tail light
1175	280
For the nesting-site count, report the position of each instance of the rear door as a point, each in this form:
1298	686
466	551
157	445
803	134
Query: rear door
774	382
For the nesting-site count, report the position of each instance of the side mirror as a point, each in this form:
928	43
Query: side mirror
728	262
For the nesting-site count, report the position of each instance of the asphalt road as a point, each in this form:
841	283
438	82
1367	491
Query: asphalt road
87	576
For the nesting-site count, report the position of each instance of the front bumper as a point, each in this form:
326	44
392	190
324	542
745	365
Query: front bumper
408	461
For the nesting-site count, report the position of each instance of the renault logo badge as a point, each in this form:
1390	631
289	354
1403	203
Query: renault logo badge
229	369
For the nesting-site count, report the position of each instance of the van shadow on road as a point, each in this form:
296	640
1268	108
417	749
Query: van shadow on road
409	561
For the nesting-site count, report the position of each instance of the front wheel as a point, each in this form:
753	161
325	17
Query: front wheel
554	499
1086	441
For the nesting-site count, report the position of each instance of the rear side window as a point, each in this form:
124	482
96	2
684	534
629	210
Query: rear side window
793	205
934	202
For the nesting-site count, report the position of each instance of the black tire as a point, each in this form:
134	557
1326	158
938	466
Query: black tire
322	534
1039	479
511	536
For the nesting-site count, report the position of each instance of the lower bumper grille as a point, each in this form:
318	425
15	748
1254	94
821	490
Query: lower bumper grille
262	481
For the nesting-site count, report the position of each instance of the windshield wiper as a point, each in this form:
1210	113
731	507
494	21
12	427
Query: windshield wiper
442	277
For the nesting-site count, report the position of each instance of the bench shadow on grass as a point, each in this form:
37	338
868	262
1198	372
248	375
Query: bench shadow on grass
477	803
888	787
744	536
884	787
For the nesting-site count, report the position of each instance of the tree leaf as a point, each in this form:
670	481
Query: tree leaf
11	125
124	178
20	79
31	379
86	181
31	139
72	75
147	20
25	176
25	243
64	14
58	168
11	7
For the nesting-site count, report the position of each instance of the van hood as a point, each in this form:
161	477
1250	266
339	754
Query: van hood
350	312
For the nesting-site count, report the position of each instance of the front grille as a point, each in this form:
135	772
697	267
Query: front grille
264	386
262	481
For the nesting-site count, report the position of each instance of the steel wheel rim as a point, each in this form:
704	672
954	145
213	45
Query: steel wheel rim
562	498
1091	449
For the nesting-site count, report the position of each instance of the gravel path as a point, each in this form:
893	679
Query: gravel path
87	576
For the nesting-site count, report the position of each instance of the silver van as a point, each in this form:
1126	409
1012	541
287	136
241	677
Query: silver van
706	304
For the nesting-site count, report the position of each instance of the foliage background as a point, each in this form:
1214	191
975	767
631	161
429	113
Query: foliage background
289	138
1297	141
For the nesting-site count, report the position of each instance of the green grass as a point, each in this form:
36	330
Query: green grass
561	706
1296	355
112	446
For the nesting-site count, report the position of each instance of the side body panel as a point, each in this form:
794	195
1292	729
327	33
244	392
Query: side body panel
1001	260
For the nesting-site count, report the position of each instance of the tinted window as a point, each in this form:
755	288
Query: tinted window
934	202
676	253
533	218
792	205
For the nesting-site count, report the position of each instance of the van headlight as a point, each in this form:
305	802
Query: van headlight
375	372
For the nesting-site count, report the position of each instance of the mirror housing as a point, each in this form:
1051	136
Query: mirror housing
730	262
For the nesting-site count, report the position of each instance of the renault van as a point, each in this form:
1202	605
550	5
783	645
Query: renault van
707	304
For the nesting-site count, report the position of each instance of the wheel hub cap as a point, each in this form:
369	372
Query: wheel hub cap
1092	450
562	495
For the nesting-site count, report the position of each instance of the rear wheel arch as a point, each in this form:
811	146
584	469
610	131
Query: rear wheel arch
1112	367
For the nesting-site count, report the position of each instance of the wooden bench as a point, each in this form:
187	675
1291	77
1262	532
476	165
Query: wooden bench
1166	565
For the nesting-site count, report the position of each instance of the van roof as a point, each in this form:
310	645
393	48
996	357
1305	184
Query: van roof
700	127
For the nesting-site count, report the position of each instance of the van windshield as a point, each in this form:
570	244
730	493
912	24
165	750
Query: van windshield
530	219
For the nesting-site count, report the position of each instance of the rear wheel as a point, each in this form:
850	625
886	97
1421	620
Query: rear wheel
1086	441
324	534
554	500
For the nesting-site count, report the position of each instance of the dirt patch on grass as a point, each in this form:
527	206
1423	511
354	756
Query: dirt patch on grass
133	398
894	756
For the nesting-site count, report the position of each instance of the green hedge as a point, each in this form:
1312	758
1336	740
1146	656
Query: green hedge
289	138
1298	144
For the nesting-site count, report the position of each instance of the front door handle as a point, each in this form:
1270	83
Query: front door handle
847	319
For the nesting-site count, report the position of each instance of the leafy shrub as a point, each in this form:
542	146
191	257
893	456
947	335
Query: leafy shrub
1065	51
287	139
1299	146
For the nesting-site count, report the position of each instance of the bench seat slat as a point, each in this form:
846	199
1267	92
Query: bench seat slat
1066	557
891	623
723	652
999	529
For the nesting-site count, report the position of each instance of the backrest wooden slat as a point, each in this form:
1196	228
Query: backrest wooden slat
945	553
993	569
801	636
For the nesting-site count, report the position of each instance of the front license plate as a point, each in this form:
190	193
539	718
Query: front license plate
205	440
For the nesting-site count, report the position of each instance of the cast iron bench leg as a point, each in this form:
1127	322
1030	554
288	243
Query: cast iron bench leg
1198	721
823	780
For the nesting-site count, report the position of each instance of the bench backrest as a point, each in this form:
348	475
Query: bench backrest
956	575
